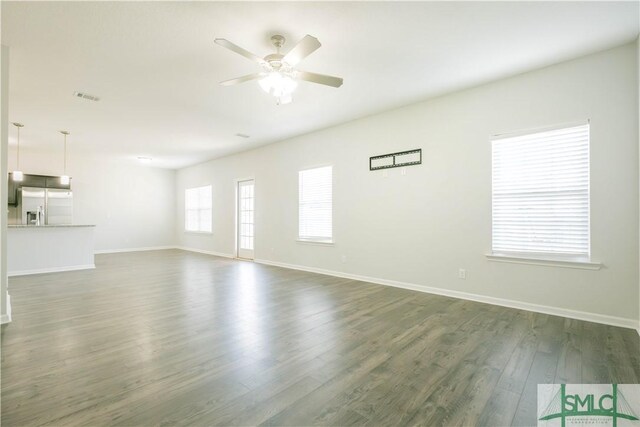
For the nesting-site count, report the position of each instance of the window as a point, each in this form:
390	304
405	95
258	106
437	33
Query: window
540	197
197	209
315	205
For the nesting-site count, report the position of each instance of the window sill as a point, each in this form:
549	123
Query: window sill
197	232
547	262
316	242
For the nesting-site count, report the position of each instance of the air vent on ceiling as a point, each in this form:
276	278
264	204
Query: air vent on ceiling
86	96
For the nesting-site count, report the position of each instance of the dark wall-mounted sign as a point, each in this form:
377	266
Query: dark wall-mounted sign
396	160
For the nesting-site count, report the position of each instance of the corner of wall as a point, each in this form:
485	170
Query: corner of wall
174	220
5	317
5	308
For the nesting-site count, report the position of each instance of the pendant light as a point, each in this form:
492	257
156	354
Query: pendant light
64	179
17	174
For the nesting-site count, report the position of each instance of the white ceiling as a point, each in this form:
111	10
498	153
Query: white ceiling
156	68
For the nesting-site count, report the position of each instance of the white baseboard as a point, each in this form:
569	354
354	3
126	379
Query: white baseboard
202	251
51	270
149	248
6	318
555	311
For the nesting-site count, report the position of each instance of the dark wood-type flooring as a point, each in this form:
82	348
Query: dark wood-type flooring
179	338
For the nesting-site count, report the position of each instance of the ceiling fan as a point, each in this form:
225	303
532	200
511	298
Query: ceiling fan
279	77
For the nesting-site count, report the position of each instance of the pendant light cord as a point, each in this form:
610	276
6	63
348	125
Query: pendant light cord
18	150
65	155
18	126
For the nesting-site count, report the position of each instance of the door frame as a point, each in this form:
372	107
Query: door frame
237	182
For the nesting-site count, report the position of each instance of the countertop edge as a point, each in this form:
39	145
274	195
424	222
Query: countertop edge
50	226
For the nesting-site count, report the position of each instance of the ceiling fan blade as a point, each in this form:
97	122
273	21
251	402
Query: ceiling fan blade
242	79
237	49
304	48
320	78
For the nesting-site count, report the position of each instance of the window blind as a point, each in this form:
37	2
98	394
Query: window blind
540	200
197	202
315	204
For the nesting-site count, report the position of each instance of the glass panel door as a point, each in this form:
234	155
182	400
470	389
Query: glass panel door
245	219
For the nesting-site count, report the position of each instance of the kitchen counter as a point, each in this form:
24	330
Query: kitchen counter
34	249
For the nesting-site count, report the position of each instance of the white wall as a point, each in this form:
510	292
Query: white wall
132	205
420	228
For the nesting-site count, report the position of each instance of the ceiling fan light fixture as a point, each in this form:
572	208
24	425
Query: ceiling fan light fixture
284	99
279	76
279	84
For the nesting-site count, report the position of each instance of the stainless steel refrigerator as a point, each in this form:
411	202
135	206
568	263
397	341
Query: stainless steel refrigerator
46	206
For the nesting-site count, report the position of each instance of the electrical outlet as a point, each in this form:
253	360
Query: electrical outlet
403	171
385	173
344	258
462	273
